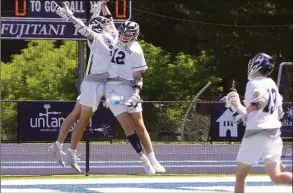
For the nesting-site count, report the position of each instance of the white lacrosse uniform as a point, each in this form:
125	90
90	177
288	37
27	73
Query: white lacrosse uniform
91	92
264	144
124	62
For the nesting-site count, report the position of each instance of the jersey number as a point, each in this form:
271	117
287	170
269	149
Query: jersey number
270	107
118	57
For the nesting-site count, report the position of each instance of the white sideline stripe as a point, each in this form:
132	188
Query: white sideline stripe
248	189
129	166
132	161
30	190
135	190
152	179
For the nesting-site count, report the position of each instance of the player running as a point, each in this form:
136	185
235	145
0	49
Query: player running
100	34
262	112
125	79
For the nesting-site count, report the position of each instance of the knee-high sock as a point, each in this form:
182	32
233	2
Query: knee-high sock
134	140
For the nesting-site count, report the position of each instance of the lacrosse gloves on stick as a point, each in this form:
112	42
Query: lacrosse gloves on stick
233	102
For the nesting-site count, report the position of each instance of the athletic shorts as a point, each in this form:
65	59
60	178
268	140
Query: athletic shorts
261	146
91	93
120	88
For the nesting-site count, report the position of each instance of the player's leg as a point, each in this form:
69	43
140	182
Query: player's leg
83	121
68	123
277	176
250	152
56	148
120	112
144	136
91	93
242	171
272	156
128	127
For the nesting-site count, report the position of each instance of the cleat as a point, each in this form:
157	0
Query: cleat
158	167
72	159
58	154
148	167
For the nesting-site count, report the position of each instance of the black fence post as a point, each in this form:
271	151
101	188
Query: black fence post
87	169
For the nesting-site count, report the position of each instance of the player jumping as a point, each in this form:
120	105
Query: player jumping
125	79
262	112
100	34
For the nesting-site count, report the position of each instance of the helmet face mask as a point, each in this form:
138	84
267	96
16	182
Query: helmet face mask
260	63
128	33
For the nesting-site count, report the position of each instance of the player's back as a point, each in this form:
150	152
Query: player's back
125	61
266	118
100	49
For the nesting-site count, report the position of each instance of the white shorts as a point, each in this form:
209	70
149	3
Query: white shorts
91	93
120	88
260	147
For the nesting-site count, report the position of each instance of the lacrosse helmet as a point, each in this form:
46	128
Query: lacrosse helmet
261	63
100	24
128	33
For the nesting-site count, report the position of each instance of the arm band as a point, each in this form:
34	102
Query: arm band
109	16
137	83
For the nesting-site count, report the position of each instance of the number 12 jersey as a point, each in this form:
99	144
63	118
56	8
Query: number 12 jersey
266	118
125	61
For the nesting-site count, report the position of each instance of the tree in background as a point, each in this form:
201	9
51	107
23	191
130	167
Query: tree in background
40	72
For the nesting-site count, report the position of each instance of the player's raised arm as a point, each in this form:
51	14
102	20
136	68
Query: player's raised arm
106	13
67	15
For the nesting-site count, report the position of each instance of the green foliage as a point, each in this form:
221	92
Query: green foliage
179	78
40	72
230	47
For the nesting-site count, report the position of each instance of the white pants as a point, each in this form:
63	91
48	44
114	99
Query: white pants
91	93
260	147
120	88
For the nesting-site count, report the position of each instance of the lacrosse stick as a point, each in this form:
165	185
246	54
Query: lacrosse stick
64	11
96	9
233	88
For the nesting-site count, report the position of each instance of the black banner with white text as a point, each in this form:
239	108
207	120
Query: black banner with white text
41	121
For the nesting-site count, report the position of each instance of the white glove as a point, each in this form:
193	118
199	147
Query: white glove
233	100
64	12
133	101
96	9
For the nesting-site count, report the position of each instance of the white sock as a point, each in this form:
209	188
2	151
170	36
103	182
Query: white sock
59	145
152	156
144	158
72	150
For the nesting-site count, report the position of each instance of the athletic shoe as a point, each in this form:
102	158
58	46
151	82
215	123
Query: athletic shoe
57	153
149	169
158	167
71	159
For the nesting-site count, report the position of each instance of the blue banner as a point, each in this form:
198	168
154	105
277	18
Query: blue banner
41	121
287	122
223	128
13	29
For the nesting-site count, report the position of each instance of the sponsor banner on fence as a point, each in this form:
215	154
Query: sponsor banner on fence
223	128
41	121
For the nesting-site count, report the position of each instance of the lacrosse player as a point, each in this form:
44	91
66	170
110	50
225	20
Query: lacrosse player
125	79
100	34
262	112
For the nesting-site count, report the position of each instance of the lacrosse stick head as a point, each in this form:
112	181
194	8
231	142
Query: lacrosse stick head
63	11
100	24
96	9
